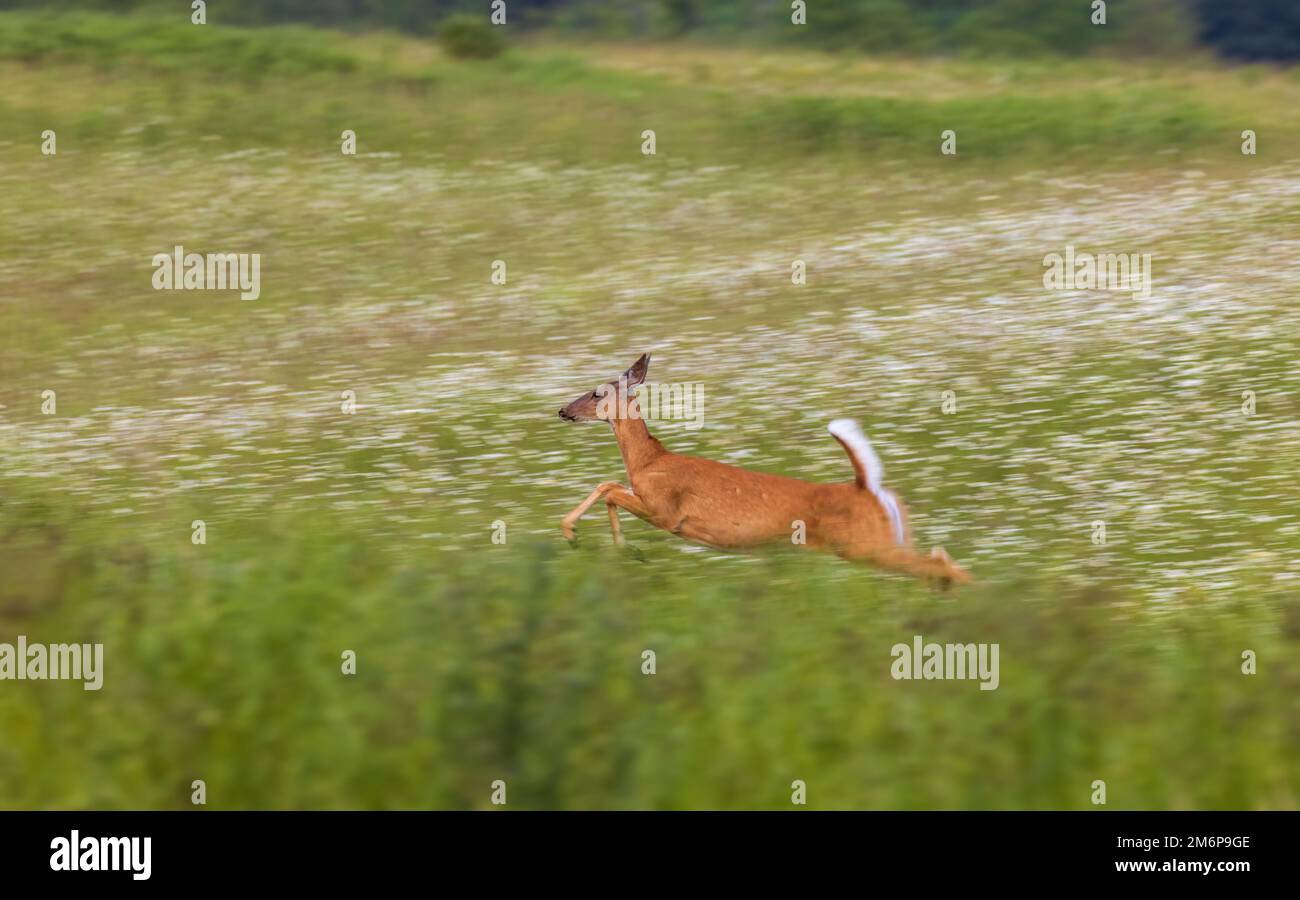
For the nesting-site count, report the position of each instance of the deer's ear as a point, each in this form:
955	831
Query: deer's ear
637	373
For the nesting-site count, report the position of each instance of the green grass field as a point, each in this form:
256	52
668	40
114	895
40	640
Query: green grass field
372	531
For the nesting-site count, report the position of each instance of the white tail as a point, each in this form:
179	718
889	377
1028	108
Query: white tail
871	473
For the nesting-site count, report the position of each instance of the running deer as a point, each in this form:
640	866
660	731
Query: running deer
730	508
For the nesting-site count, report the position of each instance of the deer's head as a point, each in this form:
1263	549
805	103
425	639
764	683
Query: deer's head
610	400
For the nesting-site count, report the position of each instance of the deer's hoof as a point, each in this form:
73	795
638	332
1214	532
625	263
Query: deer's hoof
955	574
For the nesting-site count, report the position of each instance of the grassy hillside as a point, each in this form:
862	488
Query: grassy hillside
114	80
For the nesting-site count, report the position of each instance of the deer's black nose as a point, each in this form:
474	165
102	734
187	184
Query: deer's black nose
562	415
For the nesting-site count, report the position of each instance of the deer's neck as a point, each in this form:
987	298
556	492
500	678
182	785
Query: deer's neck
638	446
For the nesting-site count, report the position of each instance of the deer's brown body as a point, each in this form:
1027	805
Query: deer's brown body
731	508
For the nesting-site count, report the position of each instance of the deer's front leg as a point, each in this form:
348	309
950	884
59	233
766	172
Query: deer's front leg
619	496
612	508
572	518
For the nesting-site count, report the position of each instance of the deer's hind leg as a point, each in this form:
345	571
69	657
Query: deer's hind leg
937	568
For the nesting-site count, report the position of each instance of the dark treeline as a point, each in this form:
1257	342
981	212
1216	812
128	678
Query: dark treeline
1240	29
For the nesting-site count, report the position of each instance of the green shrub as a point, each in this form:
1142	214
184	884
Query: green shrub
470	37
106	41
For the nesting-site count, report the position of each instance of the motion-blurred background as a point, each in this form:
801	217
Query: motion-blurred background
1248	30
327	527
